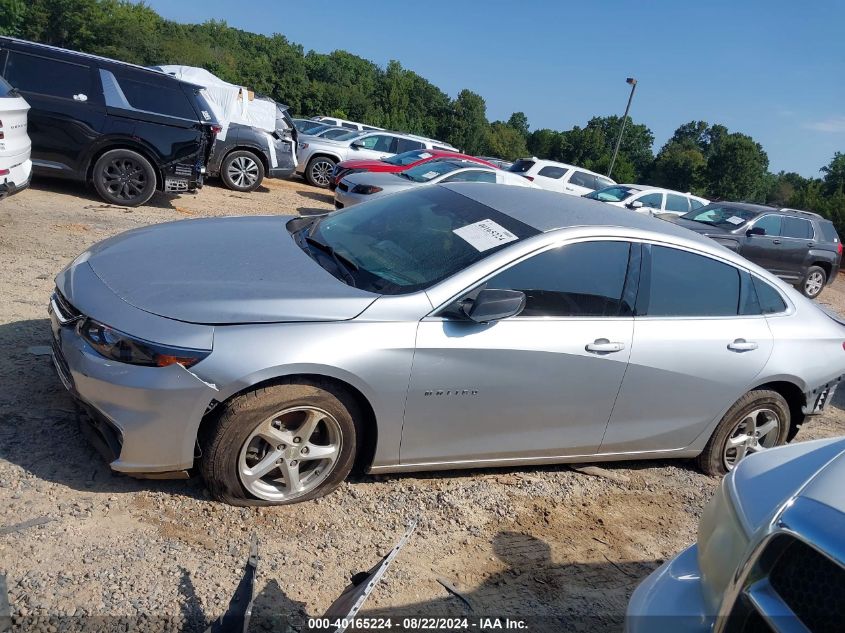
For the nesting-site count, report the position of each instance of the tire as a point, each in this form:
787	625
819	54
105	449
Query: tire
813	282
242	171
234	458
319	171
763	407
124	177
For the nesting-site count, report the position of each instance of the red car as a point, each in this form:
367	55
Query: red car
398	162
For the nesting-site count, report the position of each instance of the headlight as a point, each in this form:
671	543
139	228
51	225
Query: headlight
722	543
365	189
123	348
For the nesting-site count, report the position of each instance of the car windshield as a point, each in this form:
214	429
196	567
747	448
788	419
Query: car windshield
408	241
407	158
521	166
723	217
612	194
314	128
430	170
339	134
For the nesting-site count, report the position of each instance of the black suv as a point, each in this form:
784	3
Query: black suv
797	246
127	129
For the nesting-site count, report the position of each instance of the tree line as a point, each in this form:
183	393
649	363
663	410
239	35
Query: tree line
706	159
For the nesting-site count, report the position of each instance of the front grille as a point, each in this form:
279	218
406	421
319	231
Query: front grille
812	585
61	365
69	312
183	169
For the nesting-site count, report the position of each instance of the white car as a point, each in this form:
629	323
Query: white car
318	156
349	125
363	186
560	177
15	146
653	200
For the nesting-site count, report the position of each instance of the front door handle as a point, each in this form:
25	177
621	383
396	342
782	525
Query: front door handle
602	345
775	241
741	345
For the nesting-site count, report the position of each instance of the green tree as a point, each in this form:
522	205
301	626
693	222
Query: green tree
504	141
834	175
519	122
736	169
680	165
468	126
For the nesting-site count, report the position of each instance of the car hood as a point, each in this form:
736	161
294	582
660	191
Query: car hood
386	181
370	165
222	270
764	482
698	227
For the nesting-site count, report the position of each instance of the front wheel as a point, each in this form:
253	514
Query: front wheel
124	177
319	171
758	421
813	282
242	171
280	445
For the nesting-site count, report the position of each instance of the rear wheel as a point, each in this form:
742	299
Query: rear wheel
813	282
319	171
758	421
124	177
242	171
281	444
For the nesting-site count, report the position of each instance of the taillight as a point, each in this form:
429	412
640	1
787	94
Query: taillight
838	246
216	129
531	178
4	172
1	130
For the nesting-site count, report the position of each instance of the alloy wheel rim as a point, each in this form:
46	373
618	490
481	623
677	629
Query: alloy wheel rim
321	172
755	432
243	171
290	453
813	285
124	179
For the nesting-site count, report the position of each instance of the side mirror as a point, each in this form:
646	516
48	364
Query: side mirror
636	204
755	230
492	305
356	145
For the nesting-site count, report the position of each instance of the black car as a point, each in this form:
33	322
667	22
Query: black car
800	247
127	129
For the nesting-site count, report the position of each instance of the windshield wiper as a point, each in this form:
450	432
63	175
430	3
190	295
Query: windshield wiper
343	263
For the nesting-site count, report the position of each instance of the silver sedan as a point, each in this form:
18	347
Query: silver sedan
449	326
364	186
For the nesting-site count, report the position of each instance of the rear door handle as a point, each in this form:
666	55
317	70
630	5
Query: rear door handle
775	241
603	345
741	345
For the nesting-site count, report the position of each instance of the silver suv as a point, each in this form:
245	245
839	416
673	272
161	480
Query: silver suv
318	156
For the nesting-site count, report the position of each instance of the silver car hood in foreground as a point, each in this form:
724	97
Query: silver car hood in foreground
222	270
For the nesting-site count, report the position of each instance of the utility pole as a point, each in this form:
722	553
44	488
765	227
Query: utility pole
633	83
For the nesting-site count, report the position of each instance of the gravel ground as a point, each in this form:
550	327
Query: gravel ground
549	542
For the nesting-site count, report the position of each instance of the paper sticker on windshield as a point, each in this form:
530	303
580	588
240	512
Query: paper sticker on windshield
734	220
430	174
484	235
425	155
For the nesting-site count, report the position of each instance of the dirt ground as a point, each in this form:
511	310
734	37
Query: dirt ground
563	548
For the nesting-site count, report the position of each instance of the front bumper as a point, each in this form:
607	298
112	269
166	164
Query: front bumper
144	418
16	180
670	599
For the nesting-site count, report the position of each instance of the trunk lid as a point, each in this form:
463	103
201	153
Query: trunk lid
222	271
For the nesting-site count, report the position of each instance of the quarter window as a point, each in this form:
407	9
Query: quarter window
550	171
770	300
797	227
31	73
584	280
677	203
689	285
155	96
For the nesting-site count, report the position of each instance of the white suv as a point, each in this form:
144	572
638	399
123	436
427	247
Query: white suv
15	146
318	156
349	125
651	200
560	177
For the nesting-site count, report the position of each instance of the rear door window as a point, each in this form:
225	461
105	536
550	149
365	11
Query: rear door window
51	77
407	144
683	284
651	200
674	202
472	175
797	227
583	179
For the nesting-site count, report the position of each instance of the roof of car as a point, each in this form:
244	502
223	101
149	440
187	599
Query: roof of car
567	165
652	188
90	56
548	210
766	208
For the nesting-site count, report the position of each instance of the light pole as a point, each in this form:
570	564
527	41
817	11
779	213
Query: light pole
633	83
